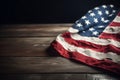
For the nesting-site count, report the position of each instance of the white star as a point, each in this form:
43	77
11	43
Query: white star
107	12
114	11
111	15
79	25
87	22
103	20
100	26
104	6
92	14
91	29
100	13
77	21
95	20
83	31
84	17
96	8
95	33
111	6
106	21
89	11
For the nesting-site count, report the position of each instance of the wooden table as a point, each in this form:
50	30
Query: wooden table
24	56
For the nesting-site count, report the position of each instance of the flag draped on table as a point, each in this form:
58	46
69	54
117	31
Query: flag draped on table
94	39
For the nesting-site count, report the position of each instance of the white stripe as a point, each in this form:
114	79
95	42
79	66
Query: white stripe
112	30
88	52
72	30
96	40
117	19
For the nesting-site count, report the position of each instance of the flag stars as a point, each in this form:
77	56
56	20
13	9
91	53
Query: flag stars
84	17
95	33
106	21
76	21
100	13
92	14
95	20
79	25
83	31
104	6
91	29
114	11
87	22
111	6
103	20
96	8
89	11
111	15
107	12
101	26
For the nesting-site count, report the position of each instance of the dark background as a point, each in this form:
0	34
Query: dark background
46	11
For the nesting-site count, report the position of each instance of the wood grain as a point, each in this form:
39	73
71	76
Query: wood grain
57	77
43	77
37	30
23	55
25	46
42	65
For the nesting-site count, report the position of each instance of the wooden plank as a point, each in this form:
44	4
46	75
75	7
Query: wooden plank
42	65
25	46
43	77
35	25
33	30
102	77
58	77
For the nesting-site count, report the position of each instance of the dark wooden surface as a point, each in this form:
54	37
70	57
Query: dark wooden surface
24	56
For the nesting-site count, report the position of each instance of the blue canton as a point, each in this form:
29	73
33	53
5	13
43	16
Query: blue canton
95	21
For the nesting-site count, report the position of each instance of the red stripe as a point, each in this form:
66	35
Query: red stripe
104	64
119	14
90	45
115	24
110	36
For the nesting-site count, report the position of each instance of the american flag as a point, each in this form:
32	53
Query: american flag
94	39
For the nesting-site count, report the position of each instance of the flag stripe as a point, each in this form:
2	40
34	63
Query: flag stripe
104	64
95	40
119	14
115	24
88	52
117	19
112	30
110	36
90	45
72	30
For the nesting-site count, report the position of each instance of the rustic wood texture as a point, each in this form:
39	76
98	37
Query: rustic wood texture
33	30
57	76
42	65
44	77
24	56
35	46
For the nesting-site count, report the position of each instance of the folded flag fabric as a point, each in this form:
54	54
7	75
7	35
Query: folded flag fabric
94	39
